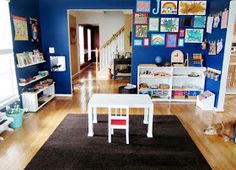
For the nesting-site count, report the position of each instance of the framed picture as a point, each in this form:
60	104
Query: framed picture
158	39
137	42
143	5
153	24
146	41
199	21
141	31
140	18
57	63
181	33
169	24
171	40
181	42
186	21
192	7
194	35
169	7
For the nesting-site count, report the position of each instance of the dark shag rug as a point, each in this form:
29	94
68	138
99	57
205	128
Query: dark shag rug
69	147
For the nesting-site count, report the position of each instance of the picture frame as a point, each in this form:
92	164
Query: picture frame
140	18
57	63
169	7
153	24
143	5
138	42
199	21
171	40
169	25
194	35
158	39
181	42
141	31
146	41
192	7
181	33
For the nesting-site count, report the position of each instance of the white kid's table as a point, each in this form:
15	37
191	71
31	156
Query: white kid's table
129	100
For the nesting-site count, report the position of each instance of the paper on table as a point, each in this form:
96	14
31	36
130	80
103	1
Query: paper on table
224	20
209	24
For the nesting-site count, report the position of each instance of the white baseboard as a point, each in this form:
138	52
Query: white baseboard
64	95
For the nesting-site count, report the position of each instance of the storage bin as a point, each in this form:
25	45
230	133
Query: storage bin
18	119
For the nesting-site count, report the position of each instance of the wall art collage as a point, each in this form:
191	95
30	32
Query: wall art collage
169	23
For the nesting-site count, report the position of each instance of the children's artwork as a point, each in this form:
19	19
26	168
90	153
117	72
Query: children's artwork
143	5
192	7
158	39
209	24
141	30
156	10
140	18
186	21
137	42
72	35
169	7
181	42
20	26
171	40
169	24
216	21
146	42
212	50
181	33
194	35
153	24
219	46
199	21
34	30
224	20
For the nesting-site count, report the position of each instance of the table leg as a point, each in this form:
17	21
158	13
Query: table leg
150	122
90	121
95	120
146	112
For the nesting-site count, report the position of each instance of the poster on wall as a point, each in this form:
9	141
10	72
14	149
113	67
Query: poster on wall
140	18
34	30
171	40
72	35
158	39
194	35
169	24
20	27
169	7
141	31
199	21
143	6
153	24
192	7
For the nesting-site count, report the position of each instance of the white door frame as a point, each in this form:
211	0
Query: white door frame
227	54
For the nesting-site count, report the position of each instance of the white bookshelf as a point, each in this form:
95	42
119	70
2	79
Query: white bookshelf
179	80
27	65
38	77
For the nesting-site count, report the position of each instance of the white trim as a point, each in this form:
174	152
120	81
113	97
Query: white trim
9	101
63	95
68	27
227	53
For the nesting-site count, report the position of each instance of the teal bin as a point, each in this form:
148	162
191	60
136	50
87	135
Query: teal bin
18	119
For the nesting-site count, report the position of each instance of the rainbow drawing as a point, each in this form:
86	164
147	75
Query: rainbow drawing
169	7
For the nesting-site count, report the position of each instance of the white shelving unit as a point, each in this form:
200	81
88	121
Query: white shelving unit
187	81
33	101
19	66
32	81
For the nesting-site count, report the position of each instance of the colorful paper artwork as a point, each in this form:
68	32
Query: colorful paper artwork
169	24
219	45
186	21
158	39
209	24
141	30
181	42
199	21
194	35
34	30
143	5
156	10
146	42
192	7
21	30
171	40
181	33
137	42
153	24
216	21
212	50
169	7
140	18
224	20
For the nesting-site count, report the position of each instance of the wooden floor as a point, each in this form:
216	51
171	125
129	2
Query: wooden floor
21	145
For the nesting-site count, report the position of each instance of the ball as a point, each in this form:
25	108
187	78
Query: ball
158	60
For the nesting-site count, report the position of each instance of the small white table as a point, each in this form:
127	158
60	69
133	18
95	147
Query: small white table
129	100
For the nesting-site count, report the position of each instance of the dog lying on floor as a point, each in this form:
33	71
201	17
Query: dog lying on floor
225	130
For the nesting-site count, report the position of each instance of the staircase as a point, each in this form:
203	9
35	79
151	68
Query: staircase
107	51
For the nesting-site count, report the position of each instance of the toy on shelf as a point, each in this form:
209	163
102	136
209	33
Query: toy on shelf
197	60
213	74
177	58
206	100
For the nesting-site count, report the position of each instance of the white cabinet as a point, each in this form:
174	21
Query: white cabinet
171	83
33	101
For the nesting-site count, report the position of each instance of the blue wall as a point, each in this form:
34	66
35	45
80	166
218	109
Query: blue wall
214	7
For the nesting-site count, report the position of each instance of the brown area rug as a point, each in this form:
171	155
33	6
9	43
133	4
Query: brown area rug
70	148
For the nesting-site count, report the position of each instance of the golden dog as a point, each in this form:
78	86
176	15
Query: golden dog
225	130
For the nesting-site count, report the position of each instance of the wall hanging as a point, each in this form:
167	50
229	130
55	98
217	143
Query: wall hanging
224	20
146	41
143	5
181	42
137	42
158	39
171	40
141	30
192	7
199	21
153	24
212	50
34	30
216	21
219	45
156	10
194	35
20	28
210	20
140	18
169	24
186	21
169	7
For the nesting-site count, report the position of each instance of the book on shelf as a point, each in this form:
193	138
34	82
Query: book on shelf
27	58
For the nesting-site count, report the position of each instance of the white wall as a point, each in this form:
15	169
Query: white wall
109	22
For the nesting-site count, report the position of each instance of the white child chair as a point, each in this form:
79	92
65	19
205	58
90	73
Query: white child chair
118	118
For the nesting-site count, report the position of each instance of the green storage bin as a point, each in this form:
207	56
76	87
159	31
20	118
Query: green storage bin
18	119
